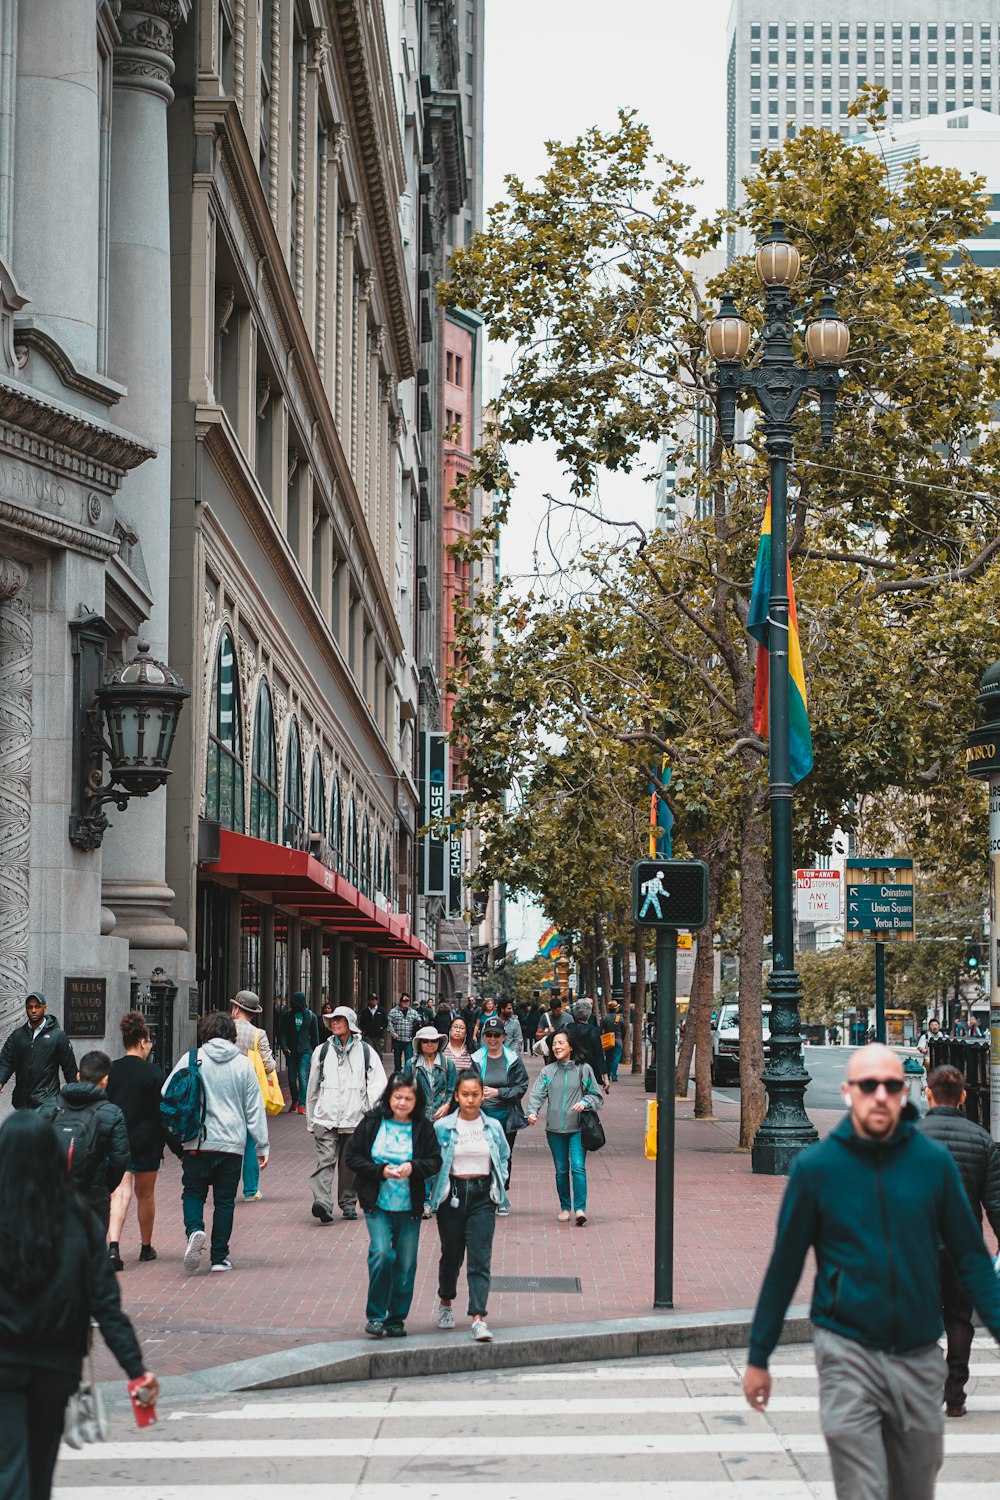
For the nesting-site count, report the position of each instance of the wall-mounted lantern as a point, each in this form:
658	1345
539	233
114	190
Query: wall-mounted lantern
130	717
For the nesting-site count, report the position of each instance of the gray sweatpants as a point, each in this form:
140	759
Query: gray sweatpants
331	1154
882	1419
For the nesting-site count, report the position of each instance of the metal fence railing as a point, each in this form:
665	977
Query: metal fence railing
972	1059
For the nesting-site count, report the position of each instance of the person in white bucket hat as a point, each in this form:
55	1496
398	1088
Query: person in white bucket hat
346	1079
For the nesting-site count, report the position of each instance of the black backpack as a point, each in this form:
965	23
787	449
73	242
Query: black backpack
79	1136
322	1061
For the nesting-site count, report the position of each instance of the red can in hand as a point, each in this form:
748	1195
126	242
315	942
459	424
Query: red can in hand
142	1404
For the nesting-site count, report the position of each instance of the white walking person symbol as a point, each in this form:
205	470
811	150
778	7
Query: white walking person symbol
652	890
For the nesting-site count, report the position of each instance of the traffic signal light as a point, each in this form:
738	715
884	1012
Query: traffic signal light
973	956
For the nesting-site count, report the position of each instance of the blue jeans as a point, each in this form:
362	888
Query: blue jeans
392	1265
220	1171
251	1168
298	1077
614	1060
402	1056
570	1161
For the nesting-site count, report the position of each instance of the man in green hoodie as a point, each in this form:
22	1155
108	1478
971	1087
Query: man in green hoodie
874	1202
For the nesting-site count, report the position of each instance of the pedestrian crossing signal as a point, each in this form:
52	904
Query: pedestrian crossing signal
670	893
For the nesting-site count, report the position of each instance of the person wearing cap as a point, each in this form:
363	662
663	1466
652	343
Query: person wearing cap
346	1079
403	1022
505	1083
373	1022
435	1075
34	1053
244	1009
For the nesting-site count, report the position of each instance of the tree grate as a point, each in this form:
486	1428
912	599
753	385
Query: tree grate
535	1284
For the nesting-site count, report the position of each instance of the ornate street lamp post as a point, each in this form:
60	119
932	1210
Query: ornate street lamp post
779	382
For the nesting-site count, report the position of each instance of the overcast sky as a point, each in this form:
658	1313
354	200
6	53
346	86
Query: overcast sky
554	68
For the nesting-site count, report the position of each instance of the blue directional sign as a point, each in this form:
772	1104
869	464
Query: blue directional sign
880	908
450	956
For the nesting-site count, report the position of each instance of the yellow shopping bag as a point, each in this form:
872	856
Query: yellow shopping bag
274	1099
650	1130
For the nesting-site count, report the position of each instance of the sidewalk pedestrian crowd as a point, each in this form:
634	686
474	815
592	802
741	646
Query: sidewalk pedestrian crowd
414	1112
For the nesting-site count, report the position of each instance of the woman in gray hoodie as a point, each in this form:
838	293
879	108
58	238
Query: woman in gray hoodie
567	1086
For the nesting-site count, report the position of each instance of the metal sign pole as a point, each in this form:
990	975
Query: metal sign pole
994	990
666	1030
880	991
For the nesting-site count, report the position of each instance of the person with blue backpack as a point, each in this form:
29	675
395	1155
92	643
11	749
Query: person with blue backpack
211	1103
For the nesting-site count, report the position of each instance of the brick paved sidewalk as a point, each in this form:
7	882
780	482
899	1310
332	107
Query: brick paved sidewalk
299	1282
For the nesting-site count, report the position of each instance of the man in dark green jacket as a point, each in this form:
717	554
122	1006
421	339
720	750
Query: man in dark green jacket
875	1200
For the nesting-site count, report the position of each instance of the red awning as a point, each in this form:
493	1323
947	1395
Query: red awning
298	883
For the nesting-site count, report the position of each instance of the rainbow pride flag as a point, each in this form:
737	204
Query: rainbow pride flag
550	942
799	735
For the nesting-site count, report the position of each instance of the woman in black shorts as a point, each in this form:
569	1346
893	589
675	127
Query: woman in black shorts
134	1084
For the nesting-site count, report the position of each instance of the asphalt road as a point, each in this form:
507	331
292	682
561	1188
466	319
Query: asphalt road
826	1067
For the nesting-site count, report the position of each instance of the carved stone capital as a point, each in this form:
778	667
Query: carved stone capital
13	577
144	58
367	285
319	47
337	140
353	225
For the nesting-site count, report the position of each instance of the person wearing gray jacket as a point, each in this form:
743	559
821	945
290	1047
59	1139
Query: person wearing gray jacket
234	1110
567	1086
977	1157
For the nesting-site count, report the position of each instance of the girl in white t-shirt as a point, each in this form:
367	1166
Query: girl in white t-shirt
467	1193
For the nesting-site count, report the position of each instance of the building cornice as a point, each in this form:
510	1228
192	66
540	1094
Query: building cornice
365	57
51	435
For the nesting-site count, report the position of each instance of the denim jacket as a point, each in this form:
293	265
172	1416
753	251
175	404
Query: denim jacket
499	1154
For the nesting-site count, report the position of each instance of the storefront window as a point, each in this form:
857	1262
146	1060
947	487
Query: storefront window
224	767
293	829
281	995
317	798
264	772
250	914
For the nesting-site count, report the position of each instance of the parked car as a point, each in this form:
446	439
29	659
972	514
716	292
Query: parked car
726	1042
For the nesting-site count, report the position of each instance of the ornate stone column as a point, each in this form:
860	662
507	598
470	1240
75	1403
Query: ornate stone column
15	786
134	856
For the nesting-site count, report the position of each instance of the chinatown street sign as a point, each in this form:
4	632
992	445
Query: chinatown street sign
879	899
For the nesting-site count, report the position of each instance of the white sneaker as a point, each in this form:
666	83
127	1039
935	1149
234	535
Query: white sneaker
192	1255
480	1332
223	1265
446	1317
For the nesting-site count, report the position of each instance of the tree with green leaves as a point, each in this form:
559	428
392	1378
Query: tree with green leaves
591	278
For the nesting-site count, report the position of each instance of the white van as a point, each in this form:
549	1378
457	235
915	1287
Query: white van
726	1042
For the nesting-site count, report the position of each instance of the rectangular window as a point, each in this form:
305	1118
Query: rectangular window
772	57
755	132
772	132
879	32
772	32
754	82
458	369
897	32
755	32
807	31
845	33
897	81
845	58
985	31
755	57
932	107
949	84
827	57
967	57
897	56
914	33
932	58
755	106
807	81
772	106
932	83
754	158
949	33
984	83
949	57
808	107
790	32
862	58
897	106
845	82
879	58
862	29
932	32
827	81
808	57
790	83
915	57
449	364
772	81
790	57
827	107
826	31
967	29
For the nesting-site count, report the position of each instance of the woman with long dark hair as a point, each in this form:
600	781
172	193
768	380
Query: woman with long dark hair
467	1194
392	1153
134	1084
567	1086
54	1277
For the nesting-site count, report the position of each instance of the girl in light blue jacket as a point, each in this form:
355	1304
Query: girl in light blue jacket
467	1193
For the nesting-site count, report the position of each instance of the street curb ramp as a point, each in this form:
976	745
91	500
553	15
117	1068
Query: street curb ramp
449	1354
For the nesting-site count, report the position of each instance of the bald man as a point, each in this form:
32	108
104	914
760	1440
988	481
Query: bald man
875	1201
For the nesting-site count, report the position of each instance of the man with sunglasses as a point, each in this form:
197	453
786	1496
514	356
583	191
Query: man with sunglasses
875	1200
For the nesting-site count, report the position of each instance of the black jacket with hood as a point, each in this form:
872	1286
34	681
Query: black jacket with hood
112	1153
35	1065
426	1161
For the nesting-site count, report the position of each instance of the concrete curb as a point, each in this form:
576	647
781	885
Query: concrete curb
447	1354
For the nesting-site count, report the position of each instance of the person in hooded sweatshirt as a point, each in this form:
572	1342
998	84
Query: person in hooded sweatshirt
298	1038
34	1053
83	1114
234	1109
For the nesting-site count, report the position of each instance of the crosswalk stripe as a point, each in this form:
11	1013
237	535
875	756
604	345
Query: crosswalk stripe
409	1411
494	1445
690	1489
982	1370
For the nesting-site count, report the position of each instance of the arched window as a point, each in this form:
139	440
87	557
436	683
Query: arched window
293	829
224	762
387	887
264	771
376	864
366	858
352	844
317	798
337	827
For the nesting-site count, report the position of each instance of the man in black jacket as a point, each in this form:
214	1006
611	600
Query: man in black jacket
84	1115
977	1158
34	1054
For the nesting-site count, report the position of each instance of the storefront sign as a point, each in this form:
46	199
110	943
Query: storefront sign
85	1006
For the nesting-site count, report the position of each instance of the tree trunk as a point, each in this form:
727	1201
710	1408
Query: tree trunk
701	1000
682	1073
753	906
603	966
628	1000
640	1001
